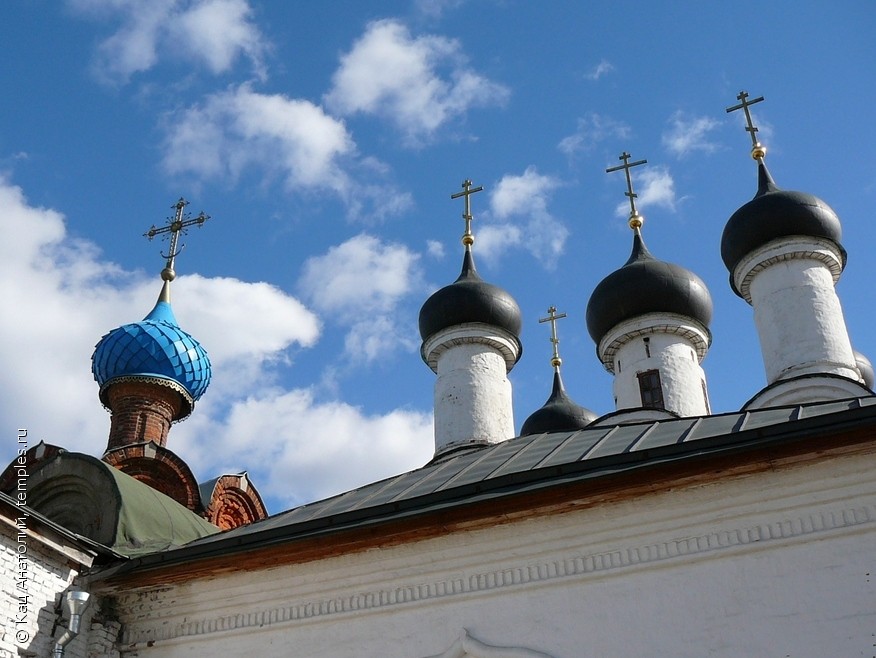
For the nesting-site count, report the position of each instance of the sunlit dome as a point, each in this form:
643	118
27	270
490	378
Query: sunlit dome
155	348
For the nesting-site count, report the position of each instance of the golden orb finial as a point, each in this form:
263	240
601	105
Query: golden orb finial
552	317
177	224
635	218
758	150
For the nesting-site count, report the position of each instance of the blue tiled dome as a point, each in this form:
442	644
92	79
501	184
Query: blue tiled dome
154	347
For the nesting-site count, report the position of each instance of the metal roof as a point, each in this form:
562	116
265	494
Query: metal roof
542	459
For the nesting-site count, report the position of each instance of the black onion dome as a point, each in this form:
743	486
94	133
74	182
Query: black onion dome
559	414
646	285
776	213
469	299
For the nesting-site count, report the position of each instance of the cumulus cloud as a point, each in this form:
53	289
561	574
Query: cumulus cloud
359	284
520	202
592	129
311	449
214	33
240	129
688	133
418	83
655	188
65	296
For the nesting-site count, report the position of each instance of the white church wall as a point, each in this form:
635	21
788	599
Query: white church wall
773	563
32	578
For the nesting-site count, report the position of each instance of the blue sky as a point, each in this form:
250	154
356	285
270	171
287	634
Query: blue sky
325	140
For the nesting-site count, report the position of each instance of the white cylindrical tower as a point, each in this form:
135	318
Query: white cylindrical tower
784	256
650	321
471	340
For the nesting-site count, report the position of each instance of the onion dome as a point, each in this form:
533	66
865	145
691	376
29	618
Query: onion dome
469	299
154	348
559	413
646	285
775	213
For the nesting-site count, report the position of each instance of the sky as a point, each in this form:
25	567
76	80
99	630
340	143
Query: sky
325	139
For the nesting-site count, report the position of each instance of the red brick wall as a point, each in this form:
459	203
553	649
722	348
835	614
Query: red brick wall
141	411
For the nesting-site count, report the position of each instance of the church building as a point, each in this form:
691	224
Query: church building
659	528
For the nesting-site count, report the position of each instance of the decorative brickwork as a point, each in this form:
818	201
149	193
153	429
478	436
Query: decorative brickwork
142	411
161	469
234	502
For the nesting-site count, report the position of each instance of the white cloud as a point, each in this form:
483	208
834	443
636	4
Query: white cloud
654	187
521	203
72	297
435	249
359	284
310	449
214	33
687	134
219	31
592	129
392	74
240	129
604	67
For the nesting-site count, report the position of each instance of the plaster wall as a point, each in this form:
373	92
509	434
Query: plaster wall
798	316
776	563
32	579
681	377
669	343
472	396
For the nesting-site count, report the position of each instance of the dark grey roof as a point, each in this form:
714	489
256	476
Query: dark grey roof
776	213
469	299
643	285
530	463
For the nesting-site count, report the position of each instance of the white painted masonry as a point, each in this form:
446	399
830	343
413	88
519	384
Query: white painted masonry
473	402
773	563
672	344
790	284
27	609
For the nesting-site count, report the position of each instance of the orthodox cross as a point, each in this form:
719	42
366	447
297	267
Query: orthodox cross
179	224
635	217
757	150
467	191
552	317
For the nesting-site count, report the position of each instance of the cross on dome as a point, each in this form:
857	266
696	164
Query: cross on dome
635	218
467	191
552	317
758	150
179	224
